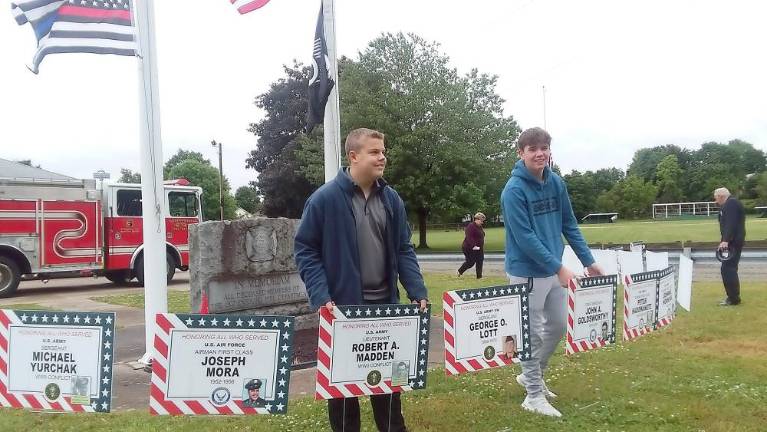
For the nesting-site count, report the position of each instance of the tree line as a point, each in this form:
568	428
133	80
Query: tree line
450	146
668	174
192	166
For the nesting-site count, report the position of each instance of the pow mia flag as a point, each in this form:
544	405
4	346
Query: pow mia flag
321	82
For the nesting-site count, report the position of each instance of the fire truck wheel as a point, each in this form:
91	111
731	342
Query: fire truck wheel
117	277
139	268
10	276
171	262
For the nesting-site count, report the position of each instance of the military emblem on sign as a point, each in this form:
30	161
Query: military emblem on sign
220	396
489	352
52	391
374	378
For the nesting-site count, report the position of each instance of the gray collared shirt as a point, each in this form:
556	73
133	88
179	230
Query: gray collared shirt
370	220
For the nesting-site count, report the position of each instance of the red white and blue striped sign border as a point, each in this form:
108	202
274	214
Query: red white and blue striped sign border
325	389
575	346
38	401
159	404
453	366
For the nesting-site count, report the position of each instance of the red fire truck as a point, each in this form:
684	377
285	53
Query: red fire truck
49	227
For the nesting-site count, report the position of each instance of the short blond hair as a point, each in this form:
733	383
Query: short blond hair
355	137
480	216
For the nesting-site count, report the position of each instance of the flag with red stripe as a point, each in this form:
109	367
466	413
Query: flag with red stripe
245	6
78	26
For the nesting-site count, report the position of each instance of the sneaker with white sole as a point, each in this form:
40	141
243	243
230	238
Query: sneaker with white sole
548	393
540	405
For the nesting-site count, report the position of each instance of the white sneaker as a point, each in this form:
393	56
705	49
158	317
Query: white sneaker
541	406
548	393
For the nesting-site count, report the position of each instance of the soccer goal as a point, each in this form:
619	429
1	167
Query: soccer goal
684	209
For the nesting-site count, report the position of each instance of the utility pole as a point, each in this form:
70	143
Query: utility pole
220	178
543	89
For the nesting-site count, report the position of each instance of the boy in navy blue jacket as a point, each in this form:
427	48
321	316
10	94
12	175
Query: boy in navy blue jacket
352	245
537	213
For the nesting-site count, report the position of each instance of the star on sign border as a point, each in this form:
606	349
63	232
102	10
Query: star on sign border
394	311
105	321
283	325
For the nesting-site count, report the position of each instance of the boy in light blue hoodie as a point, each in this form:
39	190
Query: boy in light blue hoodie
537	213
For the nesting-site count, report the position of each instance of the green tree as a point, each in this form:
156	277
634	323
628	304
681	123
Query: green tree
206	176
180	156
632	198
128	176
585	188
761	188
446	135
281	181
716	165
748	158
669	175
646	160
247	199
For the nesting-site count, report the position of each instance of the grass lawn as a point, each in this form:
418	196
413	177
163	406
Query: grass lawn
621	232
704	373
437	283
178	301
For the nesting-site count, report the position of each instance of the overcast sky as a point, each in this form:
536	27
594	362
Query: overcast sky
619	75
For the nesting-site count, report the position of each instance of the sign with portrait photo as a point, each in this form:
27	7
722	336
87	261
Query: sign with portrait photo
486	328
639	304
56	361
221	364
666	298
591	309
372	349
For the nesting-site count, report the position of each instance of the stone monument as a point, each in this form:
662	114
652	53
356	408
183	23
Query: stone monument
247	266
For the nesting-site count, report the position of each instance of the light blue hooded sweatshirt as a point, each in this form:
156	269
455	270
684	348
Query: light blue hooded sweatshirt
536	215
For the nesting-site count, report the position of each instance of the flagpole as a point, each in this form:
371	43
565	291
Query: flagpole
152	190
332	121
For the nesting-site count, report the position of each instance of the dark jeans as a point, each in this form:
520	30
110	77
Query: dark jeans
473	258
730	274
344	414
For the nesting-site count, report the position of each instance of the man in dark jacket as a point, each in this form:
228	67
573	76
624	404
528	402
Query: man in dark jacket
732	226
353	244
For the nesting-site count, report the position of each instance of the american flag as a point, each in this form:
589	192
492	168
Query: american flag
245	6
78	26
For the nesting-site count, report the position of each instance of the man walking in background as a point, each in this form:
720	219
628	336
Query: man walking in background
732	227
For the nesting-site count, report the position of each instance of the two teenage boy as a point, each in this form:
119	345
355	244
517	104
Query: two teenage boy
353	244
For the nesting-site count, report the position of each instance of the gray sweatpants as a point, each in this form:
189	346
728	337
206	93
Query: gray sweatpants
548	323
